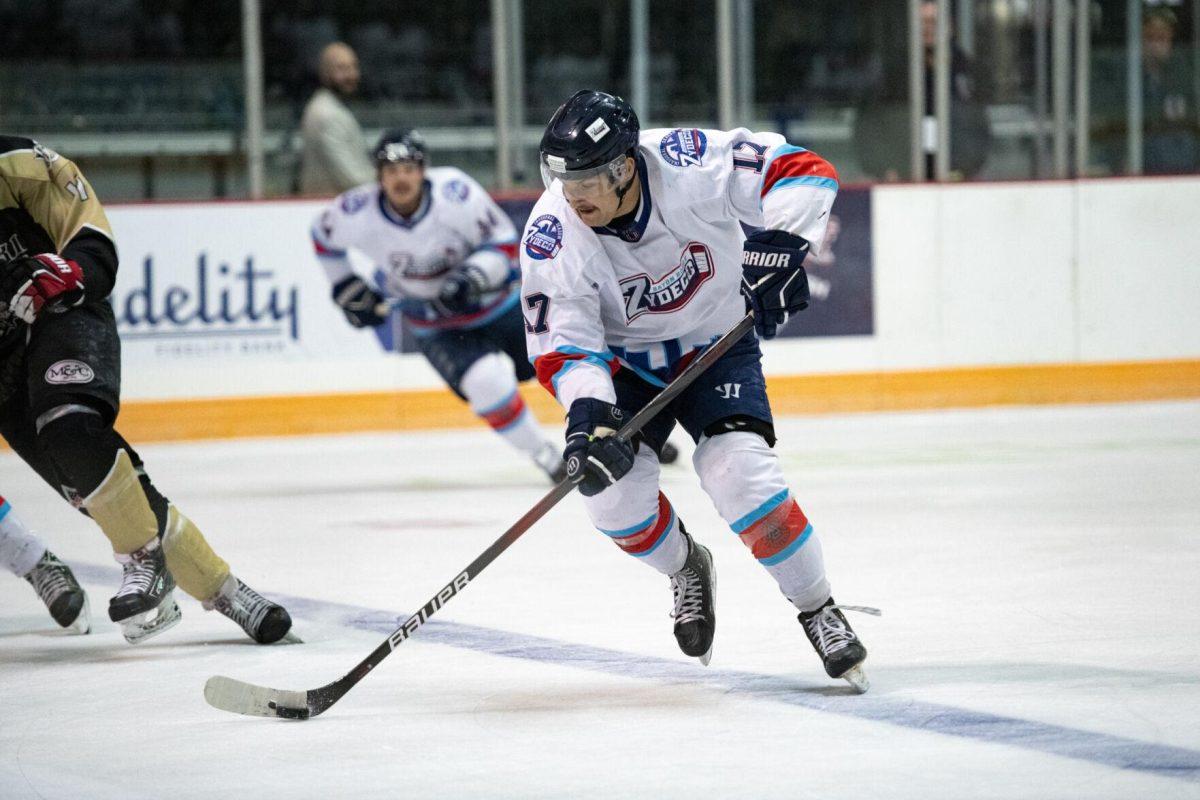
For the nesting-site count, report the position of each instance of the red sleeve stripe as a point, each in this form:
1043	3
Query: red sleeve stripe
552	366
797	165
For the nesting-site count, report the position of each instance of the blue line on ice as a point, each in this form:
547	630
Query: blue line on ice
1097	748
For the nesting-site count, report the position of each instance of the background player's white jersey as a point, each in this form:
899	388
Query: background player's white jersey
648	296
456	222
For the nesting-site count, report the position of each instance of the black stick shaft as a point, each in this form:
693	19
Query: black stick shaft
323	698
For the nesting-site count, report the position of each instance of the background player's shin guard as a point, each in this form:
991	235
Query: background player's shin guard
741	474
639	518
20	549
491	388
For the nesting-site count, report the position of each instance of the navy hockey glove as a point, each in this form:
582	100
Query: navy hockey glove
773	280
462	288
359	302
45	282
595	458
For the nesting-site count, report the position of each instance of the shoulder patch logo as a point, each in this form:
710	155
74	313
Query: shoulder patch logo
683	148
597	129
354	200
544	237
456	191
69	371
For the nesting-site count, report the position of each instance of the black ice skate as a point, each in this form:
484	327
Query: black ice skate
263	621
144	606
550	461
836	643
695	609
64	597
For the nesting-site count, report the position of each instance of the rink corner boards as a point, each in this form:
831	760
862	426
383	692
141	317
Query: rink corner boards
175	420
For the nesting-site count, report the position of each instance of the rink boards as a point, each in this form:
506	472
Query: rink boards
980	294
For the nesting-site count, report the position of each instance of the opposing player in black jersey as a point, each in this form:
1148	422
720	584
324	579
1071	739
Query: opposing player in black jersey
60	376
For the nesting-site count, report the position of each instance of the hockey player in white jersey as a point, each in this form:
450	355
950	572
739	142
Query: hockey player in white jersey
632	262
25	555
447	253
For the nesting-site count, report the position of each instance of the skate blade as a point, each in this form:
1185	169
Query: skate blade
707	657
141	627
83	622
857	678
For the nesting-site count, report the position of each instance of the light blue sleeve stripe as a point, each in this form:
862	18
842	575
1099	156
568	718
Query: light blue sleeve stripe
499	405
782	150
631	529
787	552
754	516
570	365
4	509
805	180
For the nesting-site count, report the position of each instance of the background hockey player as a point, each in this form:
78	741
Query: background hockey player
446	252
632	263
60	393
25	555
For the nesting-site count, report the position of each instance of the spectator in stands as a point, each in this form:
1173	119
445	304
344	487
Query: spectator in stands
334	154
1171	124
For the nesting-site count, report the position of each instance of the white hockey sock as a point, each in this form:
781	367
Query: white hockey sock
741	474
20	549
491	388
639	518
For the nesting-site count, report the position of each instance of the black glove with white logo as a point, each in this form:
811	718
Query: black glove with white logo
462	288
595	458
359	302
773	280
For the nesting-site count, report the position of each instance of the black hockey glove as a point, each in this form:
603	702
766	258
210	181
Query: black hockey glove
595	458
773	280
462	288
359	302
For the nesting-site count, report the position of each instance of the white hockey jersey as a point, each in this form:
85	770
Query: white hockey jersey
457	222
650	296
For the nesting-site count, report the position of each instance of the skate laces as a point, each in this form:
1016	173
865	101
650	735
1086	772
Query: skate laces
689	596
830	631
50	579
139	570
243	605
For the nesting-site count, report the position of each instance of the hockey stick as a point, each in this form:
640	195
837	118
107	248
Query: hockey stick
240	697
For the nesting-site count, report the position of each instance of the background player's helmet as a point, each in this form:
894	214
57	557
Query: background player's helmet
588	135
400	144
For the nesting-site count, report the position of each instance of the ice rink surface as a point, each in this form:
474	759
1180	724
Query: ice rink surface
1038	571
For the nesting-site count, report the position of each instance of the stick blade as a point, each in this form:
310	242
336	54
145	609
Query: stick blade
239	697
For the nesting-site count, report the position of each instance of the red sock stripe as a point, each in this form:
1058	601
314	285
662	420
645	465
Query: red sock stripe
647	537
797	165
506	414
771	534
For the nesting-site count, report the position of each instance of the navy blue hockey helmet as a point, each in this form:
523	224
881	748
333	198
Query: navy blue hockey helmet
399	144
589	134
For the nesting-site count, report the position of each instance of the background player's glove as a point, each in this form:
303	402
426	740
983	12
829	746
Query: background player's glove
462	288
773	280
359	302
45	282
595	458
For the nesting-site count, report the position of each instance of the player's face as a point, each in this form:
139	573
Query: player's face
402	182
594	199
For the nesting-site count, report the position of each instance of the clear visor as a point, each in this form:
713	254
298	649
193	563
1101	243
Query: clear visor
590	182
